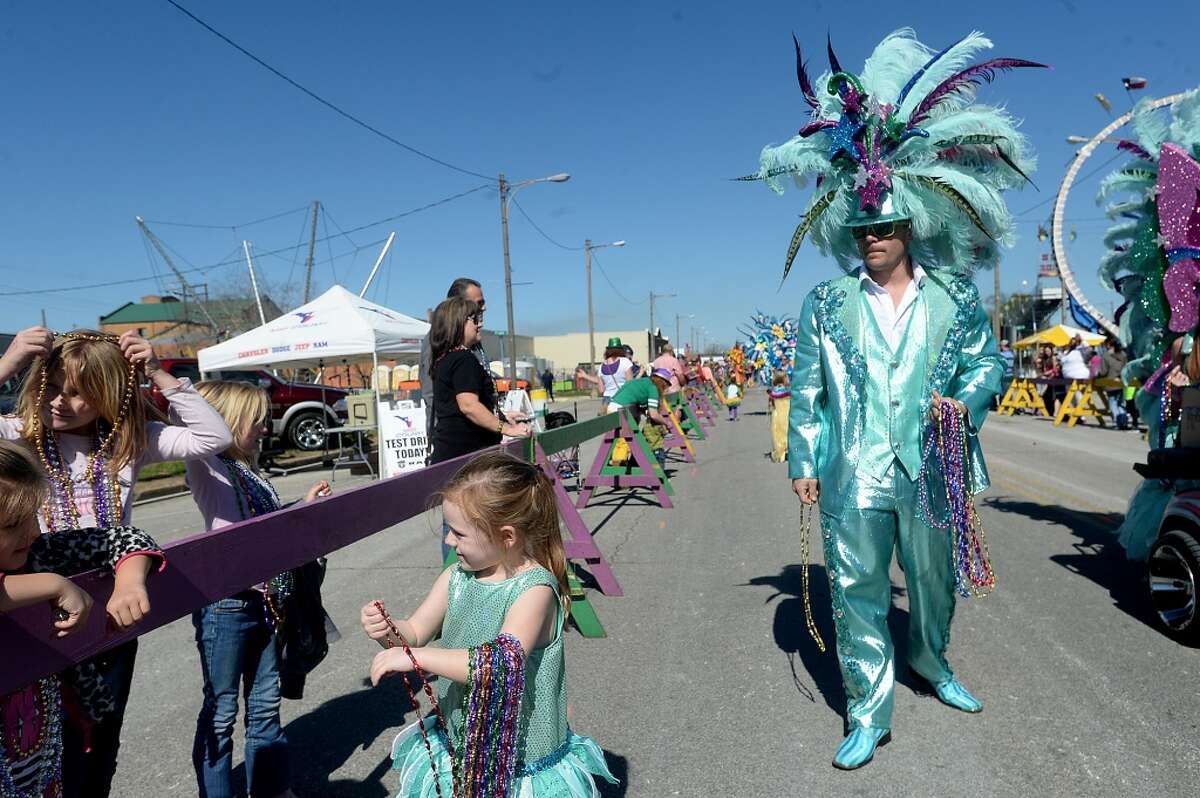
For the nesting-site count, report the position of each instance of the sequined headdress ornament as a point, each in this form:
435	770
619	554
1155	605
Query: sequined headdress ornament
905	140
1153	257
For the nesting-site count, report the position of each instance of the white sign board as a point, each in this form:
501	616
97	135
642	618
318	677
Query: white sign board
402	435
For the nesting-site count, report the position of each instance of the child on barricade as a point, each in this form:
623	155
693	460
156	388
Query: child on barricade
499	612
237	636
33	569
82	413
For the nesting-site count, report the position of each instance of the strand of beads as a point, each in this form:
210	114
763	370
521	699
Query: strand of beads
946	438
47	711
60	511
805	532
437	710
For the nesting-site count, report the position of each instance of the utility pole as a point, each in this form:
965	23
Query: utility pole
312	247
44	318
508	299
254	282
653	336
676	343
587	270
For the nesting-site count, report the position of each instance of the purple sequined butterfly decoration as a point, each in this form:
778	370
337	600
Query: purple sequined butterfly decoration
1179	222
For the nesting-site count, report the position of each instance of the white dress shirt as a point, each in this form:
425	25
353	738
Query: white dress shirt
890	317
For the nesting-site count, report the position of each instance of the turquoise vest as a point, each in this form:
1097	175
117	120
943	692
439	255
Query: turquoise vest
894	392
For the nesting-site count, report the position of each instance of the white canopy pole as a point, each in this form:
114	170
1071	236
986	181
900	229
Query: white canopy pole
253	281
378	263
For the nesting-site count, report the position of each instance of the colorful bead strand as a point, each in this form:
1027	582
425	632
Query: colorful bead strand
491	718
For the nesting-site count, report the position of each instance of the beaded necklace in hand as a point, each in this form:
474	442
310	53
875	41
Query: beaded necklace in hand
60	510
256	496
437	709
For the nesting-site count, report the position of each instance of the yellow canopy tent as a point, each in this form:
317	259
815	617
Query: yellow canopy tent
1059	335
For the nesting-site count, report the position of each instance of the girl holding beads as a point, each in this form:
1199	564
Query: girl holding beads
82	413
33	569
237	635
501	724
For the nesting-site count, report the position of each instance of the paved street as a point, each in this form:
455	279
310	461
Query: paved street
708	685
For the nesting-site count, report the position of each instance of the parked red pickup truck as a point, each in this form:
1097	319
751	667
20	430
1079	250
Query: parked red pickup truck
300	412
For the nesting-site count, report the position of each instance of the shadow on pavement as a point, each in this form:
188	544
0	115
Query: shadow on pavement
1098	556
323	740
791	635
619	766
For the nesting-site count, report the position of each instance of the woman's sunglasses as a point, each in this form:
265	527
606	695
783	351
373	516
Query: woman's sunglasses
880	230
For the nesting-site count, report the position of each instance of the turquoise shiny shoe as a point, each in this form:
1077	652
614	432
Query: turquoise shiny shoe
859	747
953	694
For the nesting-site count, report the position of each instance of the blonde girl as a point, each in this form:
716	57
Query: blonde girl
82	413
507	591
236	636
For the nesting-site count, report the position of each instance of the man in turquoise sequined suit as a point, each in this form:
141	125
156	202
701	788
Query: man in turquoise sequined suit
877	354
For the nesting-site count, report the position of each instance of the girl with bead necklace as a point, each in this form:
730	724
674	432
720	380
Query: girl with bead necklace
500	722
33	569
236	636
82	413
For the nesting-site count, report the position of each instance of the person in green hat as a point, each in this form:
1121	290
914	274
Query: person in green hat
909	174
614	372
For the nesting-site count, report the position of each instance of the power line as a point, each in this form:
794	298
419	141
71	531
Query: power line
1077	180
228	226
321	99
611	284
546	236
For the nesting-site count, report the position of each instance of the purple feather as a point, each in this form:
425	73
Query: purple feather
806	88
833	62
816	127
1135	148
971	76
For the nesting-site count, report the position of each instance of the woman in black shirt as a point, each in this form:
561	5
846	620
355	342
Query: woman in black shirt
464	396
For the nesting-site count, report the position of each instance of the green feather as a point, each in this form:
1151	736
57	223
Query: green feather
767	175
969	139
802	229
1140	174
951	193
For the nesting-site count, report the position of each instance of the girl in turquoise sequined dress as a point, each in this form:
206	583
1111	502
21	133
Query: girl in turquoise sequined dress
508	589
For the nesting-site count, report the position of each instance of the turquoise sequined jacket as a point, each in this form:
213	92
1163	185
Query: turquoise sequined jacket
846	408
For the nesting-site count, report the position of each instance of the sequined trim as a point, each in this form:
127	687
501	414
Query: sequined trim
966	297
828	313
837	597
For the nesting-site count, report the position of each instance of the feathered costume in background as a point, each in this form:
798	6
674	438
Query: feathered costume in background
906	129
1141	264
1153	261
771	346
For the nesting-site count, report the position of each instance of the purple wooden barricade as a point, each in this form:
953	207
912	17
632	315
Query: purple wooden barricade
596	477
212	565
579	544
703	407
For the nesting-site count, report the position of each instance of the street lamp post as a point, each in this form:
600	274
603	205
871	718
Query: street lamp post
588	246
506	191
678	337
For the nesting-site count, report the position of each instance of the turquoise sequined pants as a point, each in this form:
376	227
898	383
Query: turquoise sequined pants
858	555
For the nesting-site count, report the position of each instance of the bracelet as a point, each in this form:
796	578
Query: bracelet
499	426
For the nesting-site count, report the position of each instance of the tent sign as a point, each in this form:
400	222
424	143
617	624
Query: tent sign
402	433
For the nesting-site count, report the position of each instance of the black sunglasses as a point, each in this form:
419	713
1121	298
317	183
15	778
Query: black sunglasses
880	230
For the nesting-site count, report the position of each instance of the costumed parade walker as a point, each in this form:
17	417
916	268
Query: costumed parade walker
1153	261
900	152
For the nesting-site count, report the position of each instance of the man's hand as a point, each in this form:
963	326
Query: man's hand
809	490
939	401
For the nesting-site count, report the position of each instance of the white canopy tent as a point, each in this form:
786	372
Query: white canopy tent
333	328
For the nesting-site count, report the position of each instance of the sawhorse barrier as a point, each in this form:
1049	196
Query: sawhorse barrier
209	566
1082	401
1022	394
702	405
640	471
675	437
690	423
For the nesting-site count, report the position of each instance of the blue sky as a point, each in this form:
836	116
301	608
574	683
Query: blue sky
123	109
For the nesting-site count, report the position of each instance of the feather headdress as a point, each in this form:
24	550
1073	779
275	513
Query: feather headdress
1152	258
905	140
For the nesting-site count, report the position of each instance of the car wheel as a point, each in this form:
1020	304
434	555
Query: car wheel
1174	570
307	431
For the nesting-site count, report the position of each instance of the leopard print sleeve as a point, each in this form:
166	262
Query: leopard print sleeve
73	551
